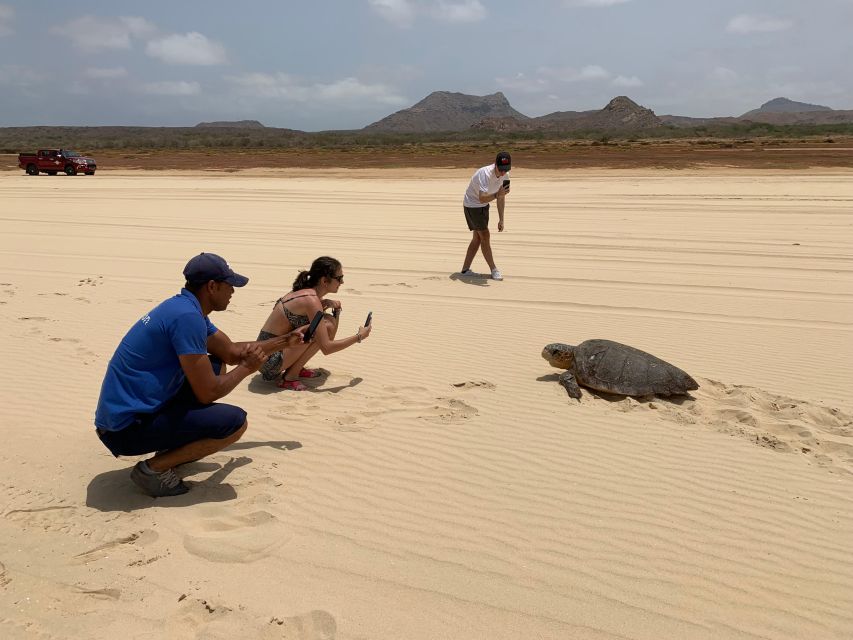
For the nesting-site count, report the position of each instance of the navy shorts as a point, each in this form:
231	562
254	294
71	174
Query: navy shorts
182	420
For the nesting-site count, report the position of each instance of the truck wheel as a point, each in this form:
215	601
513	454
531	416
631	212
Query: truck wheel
51	173
70	170
32	170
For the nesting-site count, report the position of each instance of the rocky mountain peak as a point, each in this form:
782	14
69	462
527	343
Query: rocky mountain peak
784	105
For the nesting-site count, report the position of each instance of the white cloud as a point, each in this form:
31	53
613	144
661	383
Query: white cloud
92	34
548	79
757	24
7	15
192	48
593	3
171	88
403	13
18	76
593	72
465	11
724	74
570	74
348	92
522	83
623	81
105	73
399	12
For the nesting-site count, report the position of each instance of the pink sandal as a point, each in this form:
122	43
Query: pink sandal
292	385
310	373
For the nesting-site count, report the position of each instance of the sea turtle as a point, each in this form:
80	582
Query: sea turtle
612	367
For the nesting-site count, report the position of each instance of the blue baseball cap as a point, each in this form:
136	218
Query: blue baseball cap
209	266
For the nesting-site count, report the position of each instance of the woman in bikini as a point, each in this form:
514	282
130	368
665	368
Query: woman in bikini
296	309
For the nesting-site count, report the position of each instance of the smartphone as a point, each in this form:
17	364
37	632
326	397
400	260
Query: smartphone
312	328
506	184
369	318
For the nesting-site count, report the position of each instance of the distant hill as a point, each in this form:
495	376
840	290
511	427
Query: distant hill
686	121
232	124
779	111
800	117
457	115
620	114
443	111
783	105
446	111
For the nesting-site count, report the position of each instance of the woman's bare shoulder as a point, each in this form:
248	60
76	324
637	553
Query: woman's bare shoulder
306	295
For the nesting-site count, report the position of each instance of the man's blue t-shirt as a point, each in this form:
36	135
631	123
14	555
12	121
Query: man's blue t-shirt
145	372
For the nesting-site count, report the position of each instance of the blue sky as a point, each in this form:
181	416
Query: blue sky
341	64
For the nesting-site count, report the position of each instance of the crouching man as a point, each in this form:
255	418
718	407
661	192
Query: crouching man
161	386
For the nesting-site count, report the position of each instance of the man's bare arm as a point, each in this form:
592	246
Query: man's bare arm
209	387
230	352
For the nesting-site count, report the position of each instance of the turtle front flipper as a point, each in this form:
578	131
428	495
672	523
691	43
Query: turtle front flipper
567	379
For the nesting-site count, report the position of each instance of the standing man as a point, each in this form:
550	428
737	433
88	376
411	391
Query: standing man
160	389
488	183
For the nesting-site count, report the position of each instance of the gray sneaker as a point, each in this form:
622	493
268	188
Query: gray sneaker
158	485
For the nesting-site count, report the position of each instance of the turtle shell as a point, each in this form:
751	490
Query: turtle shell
613	367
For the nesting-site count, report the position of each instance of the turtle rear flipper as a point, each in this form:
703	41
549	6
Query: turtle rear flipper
567	379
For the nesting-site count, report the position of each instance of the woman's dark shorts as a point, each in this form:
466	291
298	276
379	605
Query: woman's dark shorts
182	420
477	217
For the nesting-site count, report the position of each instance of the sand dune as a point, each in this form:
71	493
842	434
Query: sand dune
438	482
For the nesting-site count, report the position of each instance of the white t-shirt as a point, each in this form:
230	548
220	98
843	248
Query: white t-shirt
485	180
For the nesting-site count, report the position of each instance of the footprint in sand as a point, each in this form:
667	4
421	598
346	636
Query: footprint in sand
46	518
316	625
102	594
236	538
137	539
450	411
766	419
393	284
474	384
91	282
7	291
385	407
213	621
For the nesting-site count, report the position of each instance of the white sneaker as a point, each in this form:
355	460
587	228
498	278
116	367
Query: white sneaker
496	274
466	272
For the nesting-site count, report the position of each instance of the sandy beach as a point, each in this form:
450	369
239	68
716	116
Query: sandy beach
440	483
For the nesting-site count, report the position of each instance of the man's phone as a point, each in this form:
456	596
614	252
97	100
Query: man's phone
506	184
369	318
312	328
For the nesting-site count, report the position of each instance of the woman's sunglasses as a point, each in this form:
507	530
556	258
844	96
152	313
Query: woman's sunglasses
339	278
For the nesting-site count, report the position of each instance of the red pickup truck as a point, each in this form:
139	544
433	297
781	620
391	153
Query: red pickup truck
52	161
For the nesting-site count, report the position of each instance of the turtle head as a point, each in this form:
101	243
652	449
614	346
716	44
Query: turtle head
559	355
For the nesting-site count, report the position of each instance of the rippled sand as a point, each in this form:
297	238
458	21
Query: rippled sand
439	483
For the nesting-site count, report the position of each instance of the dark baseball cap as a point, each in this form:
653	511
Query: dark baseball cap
209	266
503	161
